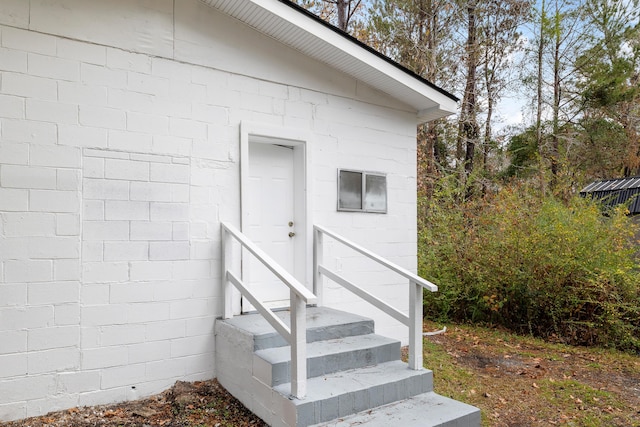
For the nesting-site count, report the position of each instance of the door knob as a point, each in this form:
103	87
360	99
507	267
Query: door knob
291	234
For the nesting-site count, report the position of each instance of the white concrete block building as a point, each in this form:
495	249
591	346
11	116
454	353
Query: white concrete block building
131	129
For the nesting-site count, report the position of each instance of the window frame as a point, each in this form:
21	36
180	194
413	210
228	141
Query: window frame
363	189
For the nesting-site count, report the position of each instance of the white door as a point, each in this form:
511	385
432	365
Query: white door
270	221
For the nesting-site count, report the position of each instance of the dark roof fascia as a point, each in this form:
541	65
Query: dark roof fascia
368	48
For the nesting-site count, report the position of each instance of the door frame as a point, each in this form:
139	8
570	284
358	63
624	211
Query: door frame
298	140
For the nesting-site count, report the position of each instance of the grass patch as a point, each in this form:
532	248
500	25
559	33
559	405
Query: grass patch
524	381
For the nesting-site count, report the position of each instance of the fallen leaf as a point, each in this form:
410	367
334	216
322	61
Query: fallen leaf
534	385
144	412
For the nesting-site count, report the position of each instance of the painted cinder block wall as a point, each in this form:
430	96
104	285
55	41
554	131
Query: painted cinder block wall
119	157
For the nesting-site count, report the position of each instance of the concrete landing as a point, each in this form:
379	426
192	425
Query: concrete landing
424	410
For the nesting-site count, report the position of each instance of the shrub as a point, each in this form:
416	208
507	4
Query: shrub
533	264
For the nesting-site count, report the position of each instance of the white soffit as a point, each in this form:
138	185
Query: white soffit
301	32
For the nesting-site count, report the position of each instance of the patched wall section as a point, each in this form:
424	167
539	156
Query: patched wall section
138	293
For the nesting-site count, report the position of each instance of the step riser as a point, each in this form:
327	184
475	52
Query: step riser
280	373
345	404
272	340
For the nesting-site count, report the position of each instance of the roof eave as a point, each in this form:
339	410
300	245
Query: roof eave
437	112
323	42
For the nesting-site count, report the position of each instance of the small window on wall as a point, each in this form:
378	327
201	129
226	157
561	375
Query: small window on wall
362	191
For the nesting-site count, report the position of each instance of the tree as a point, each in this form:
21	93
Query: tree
338	12
522	150
468	129
610	86
501	41
424	36
560	37
417	34
492	29
541	45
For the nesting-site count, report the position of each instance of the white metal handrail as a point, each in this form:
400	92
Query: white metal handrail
416	284
299	297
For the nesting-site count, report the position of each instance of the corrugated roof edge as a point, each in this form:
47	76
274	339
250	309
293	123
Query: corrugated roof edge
368	48
612	184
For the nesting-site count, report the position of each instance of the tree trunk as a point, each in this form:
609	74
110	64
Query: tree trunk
539	82
427	139
342	6
439	152
487	125
487	137
427	36
468	128
539	101
556	99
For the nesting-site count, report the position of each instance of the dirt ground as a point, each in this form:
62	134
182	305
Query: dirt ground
522	381
515	381
202	403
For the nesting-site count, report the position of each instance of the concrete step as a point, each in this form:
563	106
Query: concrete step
348	392
322	324
250	356
423	410
272	366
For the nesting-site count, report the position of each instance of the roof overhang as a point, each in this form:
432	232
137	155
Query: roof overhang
293	26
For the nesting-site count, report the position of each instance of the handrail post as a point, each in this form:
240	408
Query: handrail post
318	258
298	346
227	262
415	326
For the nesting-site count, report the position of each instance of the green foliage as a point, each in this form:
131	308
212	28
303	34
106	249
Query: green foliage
534	264
523	153
602	148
